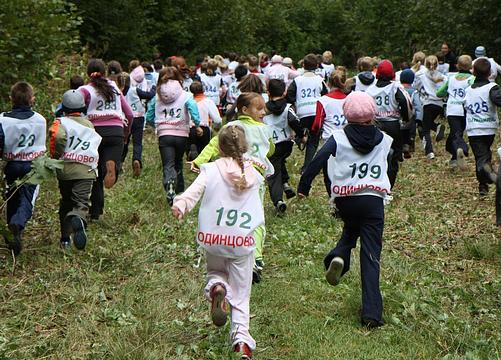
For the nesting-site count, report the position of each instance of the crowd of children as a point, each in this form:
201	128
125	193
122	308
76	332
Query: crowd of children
366	124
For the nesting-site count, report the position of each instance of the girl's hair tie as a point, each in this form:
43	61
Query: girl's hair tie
96	74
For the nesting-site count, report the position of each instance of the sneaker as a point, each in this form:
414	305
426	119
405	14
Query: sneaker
461	159
218	309
333	274
289	191
412	146
65	243
257	271
79	235
453	165
16	244
171	193
193	153
430	156
111	177
483	189
423	142
136	168
243	349
371	323
406	151
491	175
281	207
440	133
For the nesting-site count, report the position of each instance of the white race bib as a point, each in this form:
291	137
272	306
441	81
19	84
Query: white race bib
82	143
279	126
24	138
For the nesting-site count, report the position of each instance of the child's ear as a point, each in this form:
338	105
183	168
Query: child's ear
32	101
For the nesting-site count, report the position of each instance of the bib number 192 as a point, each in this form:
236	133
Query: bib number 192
231	217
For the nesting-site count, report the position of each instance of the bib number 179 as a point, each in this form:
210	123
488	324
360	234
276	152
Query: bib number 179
232	216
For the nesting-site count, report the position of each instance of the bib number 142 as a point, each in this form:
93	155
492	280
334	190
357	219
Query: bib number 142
232	216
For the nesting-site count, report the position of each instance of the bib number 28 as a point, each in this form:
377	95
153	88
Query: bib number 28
231	217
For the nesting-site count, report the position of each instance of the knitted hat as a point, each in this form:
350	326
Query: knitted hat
359	107
137	74
407	76
73	101
385	70
479	51
276	59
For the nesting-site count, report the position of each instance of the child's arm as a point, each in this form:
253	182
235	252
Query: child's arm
495	95
150	113
57	140
129	115
214	114
442	90
208	153
319	118
186	201
315	166
192	107
146	95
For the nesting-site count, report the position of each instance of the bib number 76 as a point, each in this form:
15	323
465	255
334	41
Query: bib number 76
231	217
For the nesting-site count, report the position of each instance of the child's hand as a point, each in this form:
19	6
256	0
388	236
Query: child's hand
193	167
199	131
301	196
177	213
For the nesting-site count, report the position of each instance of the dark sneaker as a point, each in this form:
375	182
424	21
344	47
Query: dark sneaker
65	243
483	189
440	133
171	193
136	168
491	175
289	191
281	207
16	244
333	274
257	271
371	323
218	310
79	235
244	350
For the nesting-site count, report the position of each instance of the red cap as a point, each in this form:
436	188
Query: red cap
385	70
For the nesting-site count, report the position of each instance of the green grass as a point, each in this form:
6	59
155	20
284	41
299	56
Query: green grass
135	293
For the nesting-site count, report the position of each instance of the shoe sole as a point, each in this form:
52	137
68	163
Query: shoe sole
282	208
136	168
289	194
218	315
110	177
79	235
461	159
333	274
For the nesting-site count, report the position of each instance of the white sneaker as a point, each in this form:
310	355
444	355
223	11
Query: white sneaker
430	156
453	165
333	274
461	159
387	199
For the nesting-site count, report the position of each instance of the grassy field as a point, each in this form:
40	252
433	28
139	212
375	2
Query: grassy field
136	291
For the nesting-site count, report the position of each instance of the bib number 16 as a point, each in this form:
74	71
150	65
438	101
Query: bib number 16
232	216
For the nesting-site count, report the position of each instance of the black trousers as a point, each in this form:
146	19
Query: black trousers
363	217
455	140
311	143
392	128
75	201
172	151
280	176
111	148
136	133
481	148
430	113
199	141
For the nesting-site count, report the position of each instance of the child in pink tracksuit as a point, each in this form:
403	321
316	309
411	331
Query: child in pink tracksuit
231	210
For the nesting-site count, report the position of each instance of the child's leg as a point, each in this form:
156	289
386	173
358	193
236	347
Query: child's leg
498	197
455	139
283	166
203	140
240	281
137	139
180	147
20	205
312	142
275	183
217	274
65	206
430	113
371	234
80	193
481	147
168	155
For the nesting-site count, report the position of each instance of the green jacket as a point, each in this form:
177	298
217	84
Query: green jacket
57	145
442	91
211	151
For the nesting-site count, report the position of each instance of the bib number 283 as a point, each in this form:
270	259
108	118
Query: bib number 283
231	217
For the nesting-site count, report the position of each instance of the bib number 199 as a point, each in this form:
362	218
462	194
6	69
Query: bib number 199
362	170
231	217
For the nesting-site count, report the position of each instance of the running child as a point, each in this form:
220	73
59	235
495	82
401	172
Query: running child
364	78
209	116
358	154
212	82
172	109
282	121
73	139
233	90
251	110
455	88
481	102
416	119
231	208
22	139
106	109
327	64
75	82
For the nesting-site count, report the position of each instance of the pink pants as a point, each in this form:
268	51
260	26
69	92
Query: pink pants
236	277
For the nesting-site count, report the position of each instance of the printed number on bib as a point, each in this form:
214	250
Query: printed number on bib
255	150
478	108
209	88
84	145
459	93
379	100
308	93
275	137
172	113
106	105
339	120
363	170
26	140
134	107
231	217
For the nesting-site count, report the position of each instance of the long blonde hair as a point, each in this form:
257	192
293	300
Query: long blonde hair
431	63
418	60
233	143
